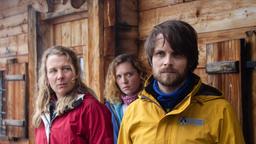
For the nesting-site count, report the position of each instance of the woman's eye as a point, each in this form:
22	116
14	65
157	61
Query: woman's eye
67	69
129	74
160	54
118	77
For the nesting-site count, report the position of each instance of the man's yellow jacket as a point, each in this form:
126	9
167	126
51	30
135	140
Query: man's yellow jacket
202	117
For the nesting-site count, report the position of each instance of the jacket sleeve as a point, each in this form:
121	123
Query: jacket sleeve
123	136
98	119
230	132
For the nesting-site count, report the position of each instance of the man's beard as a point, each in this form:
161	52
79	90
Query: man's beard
173	79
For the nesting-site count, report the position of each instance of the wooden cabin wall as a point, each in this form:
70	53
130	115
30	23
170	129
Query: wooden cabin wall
217	21
14	45
120	30
127	26
27	27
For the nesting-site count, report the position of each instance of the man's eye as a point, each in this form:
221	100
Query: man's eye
177	55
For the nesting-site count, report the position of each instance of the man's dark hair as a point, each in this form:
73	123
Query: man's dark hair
182	38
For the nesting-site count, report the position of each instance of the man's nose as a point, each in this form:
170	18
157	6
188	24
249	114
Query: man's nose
168	60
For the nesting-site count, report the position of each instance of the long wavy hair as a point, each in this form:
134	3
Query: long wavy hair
45	92
112	92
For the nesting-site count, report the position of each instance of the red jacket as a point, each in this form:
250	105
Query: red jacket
88	123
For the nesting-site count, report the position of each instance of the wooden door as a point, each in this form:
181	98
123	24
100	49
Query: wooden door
223	68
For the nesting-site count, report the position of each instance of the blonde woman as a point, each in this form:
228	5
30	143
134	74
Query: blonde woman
125	78
65	110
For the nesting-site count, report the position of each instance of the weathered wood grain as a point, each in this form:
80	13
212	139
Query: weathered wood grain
204	16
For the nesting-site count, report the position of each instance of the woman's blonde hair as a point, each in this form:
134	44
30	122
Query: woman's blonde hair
112	92
45	92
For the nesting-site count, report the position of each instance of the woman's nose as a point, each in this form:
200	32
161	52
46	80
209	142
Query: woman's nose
60	74
124	79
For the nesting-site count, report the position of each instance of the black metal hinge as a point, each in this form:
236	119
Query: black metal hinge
251	65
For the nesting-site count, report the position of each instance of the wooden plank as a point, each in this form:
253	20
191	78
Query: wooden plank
127	46
76	33
12	44
84	34
152	4
3	44
79	49
109	13
22	44
10	8
127	27
66	34
47	33
204	16
127	12
70	17
11	11
12	3
109	41
94	57
34	47
127	41
202	73
143	58
110	26
8	47
57	34
147	21
13	21
202	55
7	32
223	35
